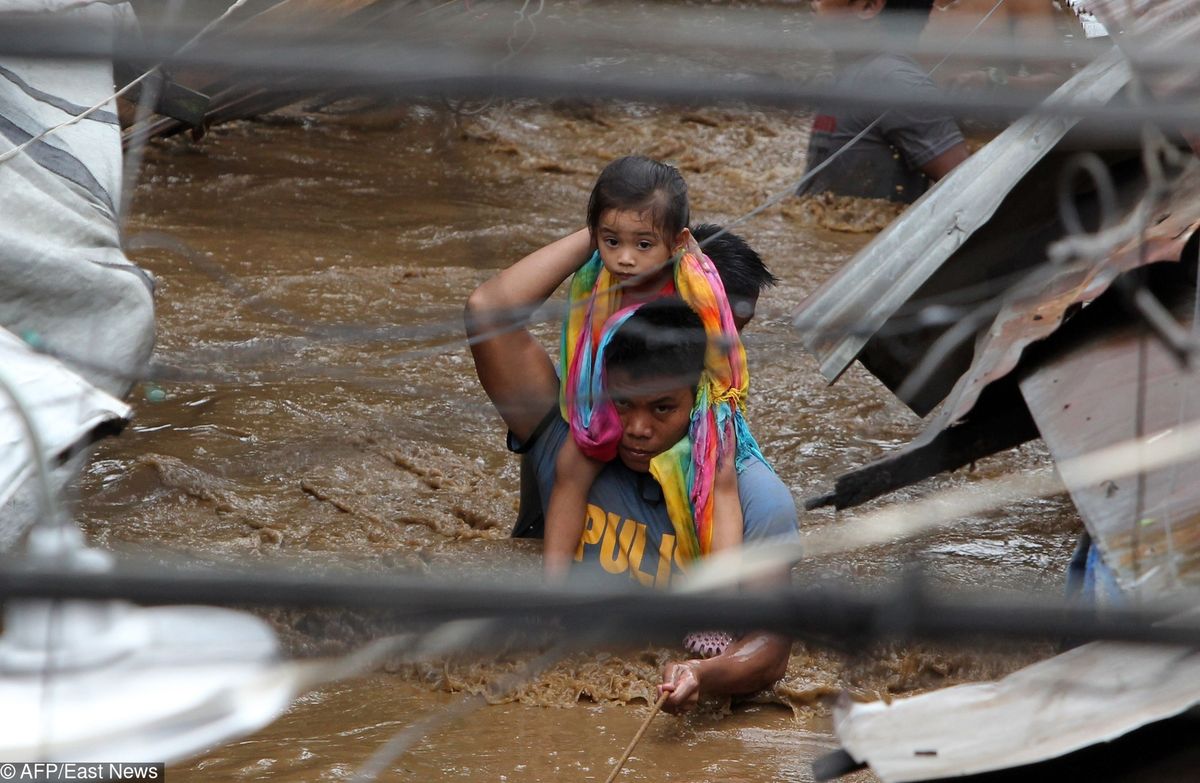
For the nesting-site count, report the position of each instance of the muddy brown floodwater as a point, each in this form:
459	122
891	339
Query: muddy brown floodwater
339	421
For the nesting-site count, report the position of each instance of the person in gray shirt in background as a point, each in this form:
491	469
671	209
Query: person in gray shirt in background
910	147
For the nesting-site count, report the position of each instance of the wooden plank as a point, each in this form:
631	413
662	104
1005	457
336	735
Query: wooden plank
1000	421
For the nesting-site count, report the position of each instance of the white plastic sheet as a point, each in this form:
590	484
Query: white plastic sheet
64	409
66	278
67	284
179	679
1092	694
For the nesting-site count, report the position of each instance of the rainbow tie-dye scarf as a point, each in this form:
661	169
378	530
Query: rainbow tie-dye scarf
718	426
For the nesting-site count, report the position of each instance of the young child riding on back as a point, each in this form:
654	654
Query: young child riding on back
637	219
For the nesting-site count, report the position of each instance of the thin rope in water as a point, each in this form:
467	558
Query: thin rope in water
637	737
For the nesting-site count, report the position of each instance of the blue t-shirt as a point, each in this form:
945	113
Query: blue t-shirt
628	530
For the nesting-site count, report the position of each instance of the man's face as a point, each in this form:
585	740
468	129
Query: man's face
655	413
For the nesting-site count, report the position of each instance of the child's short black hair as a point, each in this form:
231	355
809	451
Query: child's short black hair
662	339
742	270
643	185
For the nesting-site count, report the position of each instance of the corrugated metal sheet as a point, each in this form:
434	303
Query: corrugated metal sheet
1101	379
1028	314
1087	398
234	97
843	314
1087	395
1162	24
1041	712
1036	308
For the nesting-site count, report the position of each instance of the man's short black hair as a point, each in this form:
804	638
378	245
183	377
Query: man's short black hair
742	270
662	339
905	18
911	6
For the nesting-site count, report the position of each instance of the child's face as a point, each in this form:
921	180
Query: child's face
633	250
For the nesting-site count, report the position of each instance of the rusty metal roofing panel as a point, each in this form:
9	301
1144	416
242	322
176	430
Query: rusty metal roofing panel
1035	309
1092	694
1163	24
1092	396
1030	313
838	319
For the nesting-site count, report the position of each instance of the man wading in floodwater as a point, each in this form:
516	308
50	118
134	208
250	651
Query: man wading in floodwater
655	359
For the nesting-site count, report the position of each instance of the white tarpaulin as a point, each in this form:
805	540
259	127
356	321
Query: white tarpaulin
66	279
167	681
1092	694
67	286
64	410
